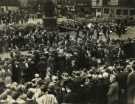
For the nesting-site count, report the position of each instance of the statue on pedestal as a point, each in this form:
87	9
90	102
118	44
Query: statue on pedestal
50	14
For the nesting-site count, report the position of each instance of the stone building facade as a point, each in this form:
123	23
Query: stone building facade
114	8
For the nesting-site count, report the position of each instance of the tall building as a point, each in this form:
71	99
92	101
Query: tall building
74	6
114	8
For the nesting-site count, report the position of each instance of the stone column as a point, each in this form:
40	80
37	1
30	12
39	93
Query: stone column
50	15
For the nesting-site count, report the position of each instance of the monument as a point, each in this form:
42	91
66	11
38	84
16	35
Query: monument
50	19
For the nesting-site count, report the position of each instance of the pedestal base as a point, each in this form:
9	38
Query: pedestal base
50	23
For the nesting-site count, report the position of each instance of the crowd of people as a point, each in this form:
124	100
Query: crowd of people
11	17
84	66
16	17
102	84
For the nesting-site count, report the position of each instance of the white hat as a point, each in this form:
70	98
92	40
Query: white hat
54	78
100	76
110	68
36	75
105	75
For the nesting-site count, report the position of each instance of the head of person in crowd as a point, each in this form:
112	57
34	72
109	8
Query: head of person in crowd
113	79
133	66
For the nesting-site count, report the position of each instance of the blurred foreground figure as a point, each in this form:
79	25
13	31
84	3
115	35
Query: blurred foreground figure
113	93
131	86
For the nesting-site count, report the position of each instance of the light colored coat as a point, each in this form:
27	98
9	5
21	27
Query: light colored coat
47	99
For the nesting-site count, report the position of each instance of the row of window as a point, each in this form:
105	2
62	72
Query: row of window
73	2
119	11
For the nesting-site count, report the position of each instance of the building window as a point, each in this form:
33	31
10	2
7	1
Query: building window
106	10
2	9
105	2
98	1
125	12
98	10
118	12
132	12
